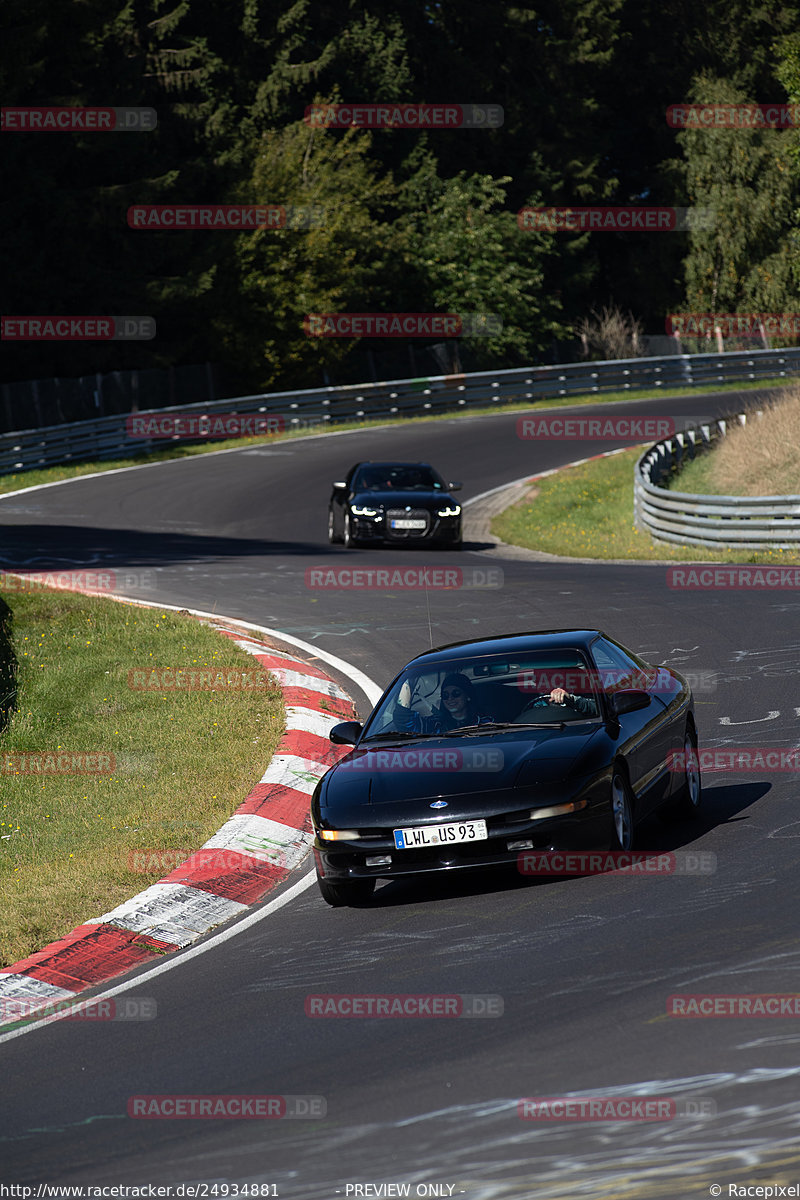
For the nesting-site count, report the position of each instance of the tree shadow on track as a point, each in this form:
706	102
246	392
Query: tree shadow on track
49	547
57	547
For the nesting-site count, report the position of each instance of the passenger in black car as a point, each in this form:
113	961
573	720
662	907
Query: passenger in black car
457	708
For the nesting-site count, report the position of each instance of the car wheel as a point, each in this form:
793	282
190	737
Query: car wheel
348	537
346	891
332	537
622	836
686	803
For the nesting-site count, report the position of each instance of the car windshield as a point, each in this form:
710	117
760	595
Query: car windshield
398	478
492	690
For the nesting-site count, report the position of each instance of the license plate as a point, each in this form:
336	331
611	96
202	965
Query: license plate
408	523
440	835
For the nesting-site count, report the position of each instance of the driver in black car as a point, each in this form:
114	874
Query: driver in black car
582	704
457	708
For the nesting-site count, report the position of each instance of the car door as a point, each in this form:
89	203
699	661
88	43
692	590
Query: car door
644	736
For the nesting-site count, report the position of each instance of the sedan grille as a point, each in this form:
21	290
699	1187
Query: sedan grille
420	516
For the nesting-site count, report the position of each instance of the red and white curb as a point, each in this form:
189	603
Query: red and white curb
268	835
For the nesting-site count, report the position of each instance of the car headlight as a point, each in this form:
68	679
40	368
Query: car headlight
455	511
360	510
557	810
339	835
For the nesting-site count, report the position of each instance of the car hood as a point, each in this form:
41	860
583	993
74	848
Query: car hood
393	499
453	767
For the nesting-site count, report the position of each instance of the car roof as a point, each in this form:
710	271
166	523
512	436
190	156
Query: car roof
512	643
368	462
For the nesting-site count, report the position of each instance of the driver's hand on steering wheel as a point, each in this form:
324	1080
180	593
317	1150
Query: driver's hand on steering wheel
558	696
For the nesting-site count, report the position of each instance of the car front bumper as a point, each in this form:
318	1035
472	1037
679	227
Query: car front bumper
350	860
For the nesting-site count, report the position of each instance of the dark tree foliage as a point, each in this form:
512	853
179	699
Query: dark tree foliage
414	221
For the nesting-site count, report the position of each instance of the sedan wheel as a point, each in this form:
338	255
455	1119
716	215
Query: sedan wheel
686	803
332	538
346	891
349	538
622	813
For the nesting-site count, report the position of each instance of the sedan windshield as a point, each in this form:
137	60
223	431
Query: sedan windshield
495	691
397	479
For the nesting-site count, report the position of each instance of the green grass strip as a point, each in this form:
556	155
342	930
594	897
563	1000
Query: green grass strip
587	512
183	760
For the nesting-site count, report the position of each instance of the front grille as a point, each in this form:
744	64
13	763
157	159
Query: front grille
414	514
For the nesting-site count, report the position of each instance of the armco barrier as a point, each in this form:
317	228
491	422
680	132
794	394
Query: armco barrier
106	438
715	522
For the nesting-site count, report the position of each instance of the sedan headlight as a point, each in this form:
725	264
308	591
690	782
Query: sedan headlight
360	510
455	511
339	835
557	810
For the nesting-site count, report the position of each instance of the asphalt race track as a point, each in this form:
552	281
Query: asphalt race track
584	966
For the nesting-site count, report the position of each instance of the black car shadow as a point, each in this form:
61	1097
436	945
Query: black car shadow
722	804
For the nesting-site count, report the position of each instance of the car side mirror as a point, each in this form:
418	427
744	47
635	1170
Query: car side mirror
340	483
346	733
455	486
628	701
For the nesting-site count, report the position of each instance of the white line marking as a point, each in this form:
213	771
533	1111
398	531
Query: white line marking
218	939
771	715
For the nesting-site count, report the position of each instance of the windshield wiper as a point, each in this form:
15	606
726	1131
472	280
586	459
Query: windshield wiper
399	734
487	725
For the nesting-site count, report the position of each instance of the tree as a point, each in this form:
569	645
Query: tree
744	262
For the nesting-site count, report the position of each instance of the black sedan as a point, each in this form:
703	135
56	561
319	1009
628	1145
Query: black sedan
397	502
480	751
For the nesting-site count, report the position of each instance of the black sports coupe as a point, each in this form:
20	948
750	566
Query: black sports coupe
399	502
482	750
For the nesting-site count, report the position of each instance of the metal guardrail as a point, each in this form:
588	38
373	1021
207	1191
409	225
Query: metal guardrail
107	438
714	522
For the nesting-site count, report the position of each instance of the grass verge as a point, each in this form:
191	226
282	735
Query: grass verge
15	481
587	512
761	458
182	760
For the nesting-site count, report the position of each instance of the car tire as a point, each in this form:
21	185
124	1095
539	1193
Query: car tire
685	804
348	536
622	829
332	536
346	891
